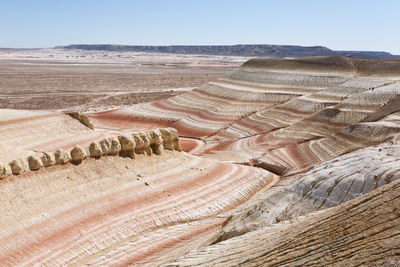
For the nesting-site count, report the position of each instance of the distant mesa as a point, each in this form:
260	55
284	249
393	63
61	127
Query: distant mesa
247	50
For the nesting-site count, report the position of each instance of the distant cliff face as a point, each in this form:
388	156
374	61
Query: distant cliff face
262	50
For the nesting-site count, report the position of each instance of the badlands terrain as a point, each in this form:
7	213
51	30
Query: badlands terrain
110	158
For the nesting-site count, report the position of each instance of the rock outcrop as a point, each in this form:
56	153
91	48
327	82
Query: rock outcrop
82	118
124	145
170	137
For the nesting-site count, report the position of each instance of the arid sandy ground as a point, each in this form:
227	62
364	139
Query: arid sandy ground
85	80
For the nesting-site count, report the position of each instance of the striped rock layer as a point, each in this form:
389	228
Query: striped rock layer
314	122
117	190
361	232
281	115
124	199
102	210
128	145
327	185
42	131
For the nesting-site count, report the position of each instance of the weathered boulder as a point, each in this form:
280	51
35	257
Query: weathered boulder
139	143
127	146
34	163
3	171
95	150
82	118
85	120
115	146
105	146
62	156
156	141
171	139
167	137
48	159
16	167
175	139
77	155
146	143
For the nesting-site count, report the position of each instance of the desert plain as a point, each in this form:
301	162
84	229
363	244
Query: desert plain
59	79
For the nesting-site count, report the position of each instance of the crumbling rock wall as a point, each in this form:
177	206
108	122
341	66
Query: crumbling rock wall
148	143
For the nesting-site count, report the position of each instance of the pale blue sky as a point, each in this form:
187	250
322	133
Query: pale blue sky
338	24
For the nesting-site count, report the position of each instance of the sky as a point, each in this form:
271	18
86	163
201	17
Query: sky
337	24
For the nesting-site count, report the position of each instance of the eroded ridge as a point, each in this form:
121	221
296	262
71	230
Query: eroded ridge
127	145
